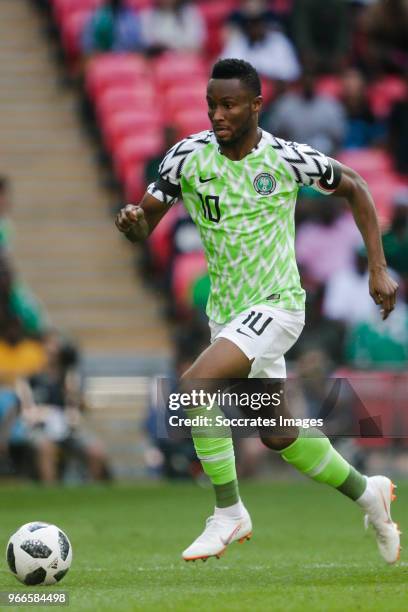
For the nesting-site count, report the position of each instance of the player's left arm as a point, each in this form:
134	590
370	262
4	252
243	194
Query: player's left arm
353	187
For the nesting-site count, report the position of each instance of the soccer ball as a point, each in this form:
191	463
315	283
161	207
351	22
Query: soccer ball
39	553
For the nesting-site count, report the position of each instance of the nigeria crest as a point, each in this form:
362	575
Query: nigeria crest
264	183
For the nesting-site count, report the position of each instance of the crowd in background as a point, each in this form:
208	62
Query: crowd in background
334	75
42	435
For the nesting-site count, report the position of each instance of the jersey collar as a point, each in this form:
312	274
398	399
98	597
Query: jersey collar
256	148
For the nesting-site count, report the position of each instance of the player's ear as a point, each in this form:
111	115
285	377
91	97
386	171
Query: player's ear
257	104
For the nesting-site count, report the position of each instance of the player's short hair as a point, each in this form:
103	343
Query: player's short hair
238	69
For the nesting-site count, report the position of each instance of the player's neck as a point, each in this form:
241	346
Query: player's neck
240	149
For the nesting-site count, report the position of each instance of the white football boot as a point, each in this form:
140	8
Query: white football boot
376	502
219	531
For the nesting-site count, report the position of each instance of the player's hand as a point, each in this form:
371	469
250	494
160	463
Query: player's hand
131	220
383	290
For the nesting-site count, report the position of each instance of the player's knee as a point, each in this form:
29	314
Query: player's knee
195	381
275	442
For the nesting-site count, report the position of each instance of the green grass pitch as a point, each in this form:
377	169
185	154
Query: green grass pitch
308	551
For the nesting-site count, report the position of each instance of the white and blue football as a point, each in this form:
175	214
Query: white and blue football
39	553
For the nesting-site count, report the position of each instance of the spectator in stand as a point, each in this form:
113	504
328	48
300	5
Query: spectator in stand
395	240
17	301
337	305
321	34
332	232
265	47
174	25
21	326
113	27
362	129
6	229
54	397
9	408
398	132
306	116
237	19
385	24
320	333
374	344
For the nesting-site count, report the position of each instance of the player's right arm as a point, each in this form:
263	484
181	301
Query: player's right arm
137	222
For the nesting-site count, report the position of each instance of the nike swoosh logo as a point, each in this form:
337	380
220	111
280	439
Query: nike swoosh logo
389	520
329	181
231	535
243	333
206	180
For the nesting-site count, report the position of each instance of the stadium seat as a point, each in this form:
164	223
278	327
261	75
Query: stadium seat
136	149
138	5
171	68
133	182
367	162
185	96
63	8
187	268
384	93
191	122
71	30
215	14
330	85
117	99
384	189
128	123
115	69
374	399
268	90
160	244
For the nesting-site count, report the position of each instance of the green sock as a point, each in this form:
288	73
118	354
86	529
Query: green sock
313	455
217	457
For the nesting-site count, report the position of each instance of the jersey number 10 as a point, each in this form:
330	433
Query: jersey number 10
211	207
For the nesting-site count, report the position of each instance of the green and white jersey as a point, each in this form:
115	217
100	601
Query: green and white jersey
244	211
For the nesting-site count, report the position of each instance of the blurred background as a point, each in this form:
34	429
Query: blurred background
92	93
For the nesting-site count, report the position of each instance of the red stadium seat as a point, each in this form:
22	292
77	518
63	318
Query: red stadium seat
160	240
133	182
375	166
128	123
374	399
191	122
384	189
187	268
268	90
138	5
136	149
115	69
215	14
117	99
330	85
71	31
185	96
367	162
384	93
171	68
62	8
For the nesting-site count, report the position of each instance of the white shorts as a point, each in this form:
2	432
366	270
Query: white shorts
263	333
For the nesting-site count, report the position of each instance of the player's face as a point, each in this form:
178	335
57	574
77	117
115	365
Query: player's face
232	109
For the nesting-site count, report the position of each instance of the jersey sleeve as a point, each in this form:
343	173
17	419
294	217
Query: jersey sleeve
309	167
167	186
